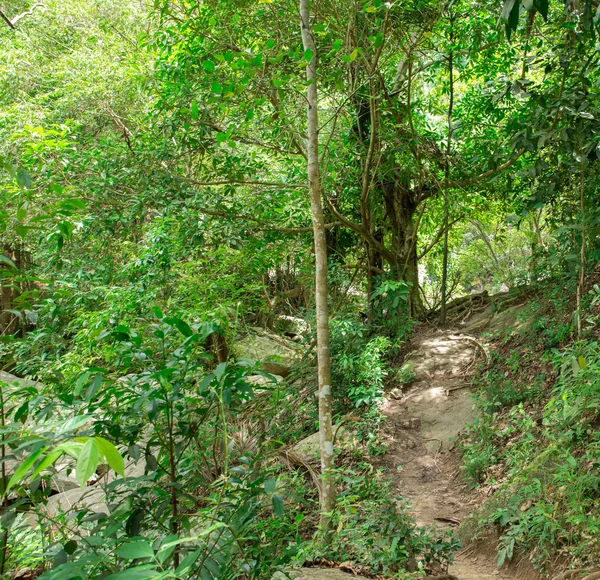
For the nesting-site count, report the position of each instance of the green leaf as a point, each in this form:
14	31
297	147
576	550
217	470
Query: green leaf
21	230
87	462
70	547
183	327
542	7
72	448
111	454
23	178
277	501
137	573
135	549
209	66
94	387
270	485
49	460
24	467
308	55
194	111
188	561
7	261
134	522
216	88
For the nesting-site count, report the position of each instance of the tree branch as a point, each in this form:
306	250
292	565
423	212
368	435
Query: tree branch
262	225
245	182
437	238
485	174
12	23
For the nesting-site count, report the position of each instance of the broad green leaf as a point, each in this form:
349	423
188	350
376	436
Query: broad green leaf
208	66
24	467
137	573
308	55
183	327
194	110
7	261
216	88
278	507
23	178
49	460
111	454
188	561
72	448
87	461
270	485
135	549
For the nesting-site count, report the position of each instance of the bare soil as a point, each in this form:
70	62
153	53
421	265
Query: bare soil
420	432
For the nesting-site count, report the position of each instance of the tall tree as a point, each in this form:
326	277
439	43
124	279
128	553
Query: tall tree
321	290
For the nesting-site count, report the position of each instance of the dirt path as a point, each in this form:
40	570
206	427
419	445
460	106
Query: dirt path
420	430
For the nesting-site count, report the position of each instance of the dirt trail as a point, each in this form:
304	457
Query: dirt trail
420	430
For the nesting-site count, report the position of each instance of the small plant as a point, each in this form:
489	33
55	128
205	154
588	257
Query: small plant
377	532
405	375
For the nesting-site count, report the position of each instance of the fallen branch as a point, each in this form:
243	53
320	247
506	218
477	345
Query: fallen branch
458	388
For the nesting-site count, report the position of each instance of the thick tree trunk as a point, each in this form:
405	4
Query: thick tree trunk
321	290
401	209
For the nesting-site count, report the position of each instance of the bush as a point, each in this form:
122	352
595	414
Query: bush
358	365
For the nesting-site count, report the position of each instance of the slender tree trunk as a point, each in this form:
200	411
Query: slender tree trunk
324	357
581	281
447	176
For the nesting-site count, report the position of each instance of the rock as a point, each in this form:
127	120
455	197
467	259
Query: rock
309	446
396	393
90	497
262	381
276	354
316	574
11	379
412	423
293	325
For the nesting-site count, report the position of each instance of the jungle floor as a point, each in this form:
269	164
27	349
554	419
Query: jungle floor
420	431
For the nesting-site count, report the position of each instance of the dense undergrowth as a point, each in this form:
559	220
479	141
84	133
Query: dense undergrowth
215	493
537	441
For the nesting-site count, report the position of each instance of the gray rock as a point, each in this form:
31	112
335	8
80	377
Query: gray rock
396	393
309	446
276	354
262	381
90	497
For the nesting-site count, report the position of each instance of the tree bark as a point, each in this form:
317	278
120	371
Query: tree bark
321	287
447	176
581	278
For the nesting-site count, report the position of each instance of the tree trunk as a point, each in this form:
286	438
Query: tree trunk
401	209
581	277
324	361
447	175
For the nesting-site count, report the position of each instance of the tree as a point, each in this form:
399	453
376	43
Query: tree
321	287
